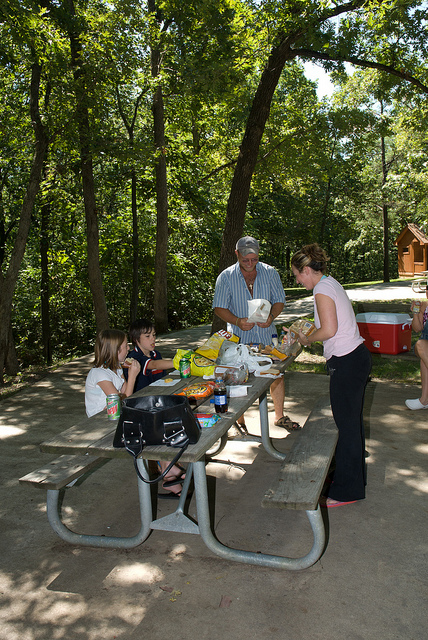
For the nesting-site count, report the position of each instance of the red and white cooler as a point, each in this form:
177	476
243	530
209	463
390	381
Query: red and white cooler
386	332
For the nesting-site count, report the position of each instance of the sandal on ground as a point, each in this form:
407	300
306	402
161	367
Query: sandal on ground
173	480
170	480
171	483
170	495
287	423
329	503
241	428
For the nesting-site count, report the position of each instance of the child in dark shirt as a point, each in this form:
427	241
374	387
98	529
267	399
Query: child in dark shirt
153	367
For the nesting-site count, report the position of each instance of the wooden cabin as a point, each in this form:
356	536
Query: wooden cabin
412	245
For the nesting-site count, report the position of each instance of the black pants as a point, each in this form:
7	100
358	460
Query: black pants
348	380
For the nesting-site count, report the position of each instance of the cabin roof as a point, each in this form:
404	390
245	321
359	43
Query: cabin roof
415	230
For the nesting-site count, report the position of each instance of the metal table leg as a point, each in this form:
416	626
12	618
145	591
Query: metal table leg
178	520
66	534
264	428
250	557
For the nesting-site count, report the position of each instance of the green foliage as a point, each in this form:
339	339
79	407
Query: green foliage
318	175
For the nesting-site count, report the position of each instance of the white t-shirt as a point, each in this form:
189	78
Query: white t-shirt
95	398
347	337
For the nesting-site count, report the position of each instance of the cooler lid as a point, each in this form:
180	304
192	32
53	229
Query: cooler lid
384	318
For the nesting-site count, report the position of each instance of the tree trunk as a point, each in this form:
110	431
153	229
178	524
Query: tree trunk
133	307
8	279
244	169
160	291
385	213
44	290
11	364
160	286
88	183
325	212
130	126
248	153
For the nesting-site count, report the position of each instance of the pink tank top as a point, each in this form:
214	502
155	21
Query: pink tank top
347	337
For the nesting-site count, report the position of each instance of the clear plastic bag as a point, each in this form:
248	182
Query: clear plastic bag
237	354
290	338
233	375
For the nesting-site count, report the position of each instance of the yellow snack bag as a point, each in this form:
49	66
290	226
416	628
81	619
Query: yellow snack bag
211	347
199	365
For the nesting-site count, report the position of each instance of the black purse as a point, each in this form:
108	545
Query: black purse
156	420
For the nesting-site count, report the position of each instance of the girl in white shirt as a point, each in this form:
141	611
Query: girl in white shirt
106	377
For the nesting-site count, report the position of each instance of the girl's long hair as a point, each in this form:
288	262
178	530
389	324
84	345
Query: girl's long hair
107	347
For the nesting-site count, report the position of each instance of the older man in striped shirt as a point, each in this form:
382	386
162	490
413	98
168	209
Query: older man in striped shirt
249	278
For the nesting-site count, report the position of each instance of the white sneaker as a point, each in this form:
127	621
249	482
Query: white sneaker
415	405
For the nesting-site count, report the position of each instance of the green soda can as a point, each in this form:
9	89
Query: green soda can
184	367
113	406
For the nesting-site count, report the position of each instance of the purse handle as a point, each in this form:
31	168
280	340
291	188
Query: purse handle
164	473
175	437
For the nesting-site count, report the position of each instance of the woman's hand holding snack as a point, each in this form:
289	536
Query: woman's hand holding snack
415	306
303	339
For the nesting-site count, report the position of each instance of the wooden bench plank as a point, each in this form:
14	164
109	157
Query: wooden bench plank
303	472
60	472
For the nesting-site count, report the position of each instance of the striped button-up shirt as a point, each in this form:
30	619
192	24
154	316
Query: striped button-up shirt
231	292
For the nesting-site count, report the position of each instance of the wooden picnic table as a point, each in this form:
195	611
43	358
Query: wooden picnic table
93	438
419	284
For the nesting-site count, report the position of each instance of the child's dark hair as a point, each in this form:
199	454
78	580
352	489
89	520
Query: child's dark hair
138	327
107	347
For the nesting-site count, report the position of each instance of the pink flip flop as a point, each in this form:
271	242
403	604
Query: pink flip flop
337	504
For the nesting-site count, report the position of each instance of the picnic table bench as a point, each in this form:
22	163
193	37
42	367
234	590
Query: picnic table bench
302	474
62	472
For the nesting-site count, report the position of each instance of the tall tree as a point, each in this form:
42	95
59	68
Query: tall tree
308	32
130	128
385	220
83	99
9	278
160	285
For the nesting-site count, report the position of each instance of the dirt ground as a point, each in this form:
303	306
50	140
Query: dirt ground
370	583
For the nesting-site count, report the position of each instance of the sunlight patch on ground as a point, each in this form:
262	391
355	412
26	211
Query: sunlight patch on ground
414	478
135	573
238	452
178	551
8	432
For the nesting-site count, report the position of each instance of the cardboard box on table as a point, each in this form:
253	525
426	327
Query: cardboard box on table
386	332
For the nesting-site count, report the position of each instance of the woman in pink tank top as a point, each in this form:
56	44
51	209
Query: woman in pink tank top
348	363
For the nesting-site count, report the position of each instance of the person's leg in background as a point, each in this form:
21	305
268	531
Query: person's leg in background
421	349
277	392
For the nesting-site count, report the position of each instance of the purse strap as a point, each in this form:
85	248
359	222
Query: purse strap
175	435
164	473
